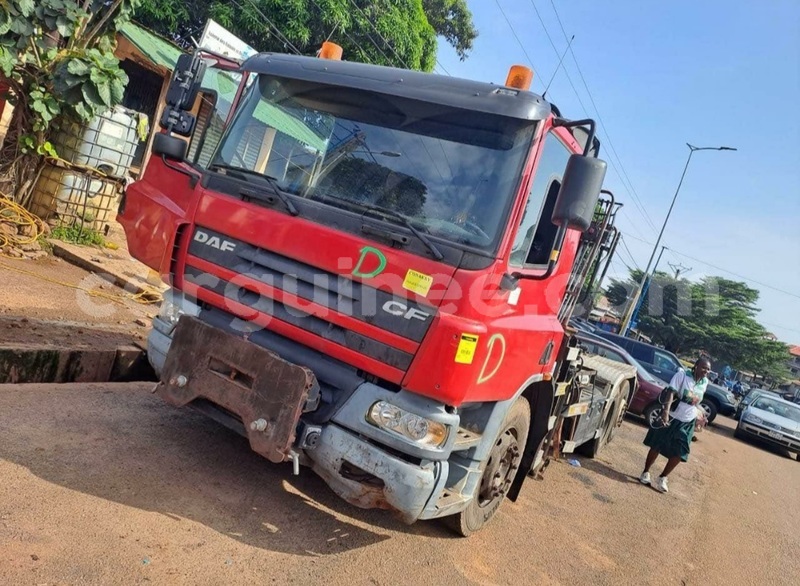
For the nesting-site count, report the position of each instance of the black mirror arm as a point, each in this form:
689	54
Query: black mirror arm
573	123
551	265
193	177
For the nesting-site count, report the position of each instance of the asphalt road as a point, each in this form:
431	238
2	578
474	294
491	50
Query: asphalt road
104	484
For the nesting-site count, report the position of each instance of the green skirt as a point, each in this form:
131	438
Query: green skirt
673	440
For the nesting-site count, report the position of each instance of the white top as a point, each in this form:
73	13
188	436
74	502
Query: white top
687	387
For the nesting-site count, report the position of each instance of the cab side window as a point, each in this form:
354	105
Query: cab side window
537	233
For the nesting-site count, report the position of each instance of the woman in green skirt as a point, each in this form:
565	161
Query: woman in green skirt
673	440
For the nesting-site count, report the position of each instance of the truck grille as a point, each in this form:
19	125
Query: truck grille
329	304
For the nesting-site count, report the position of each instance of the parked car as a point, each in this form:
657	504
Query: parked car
582	325
645	398
664	364
751	396
772	420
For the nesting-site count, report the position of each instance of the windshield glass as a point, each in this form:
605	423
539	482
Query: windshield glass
453	173
778	408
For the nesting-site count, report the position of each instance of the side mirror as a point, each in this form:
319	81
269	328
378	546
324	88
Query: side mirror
169	146
580	189
185	82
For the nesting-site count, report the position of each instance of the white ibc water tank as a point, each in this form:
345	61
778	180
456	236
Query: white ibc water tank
66	196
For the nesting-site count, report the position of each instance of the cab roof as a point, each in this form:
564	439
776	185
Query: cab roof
428	87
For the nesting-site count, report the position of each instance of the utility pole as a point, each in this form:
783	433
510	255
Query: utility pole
645	289
679	268
626	321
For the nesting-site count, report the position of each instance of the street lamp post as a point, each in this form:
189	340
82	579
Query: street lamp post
624	326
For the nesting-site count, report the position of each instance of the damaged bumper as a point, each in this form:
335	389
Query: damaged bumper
368	477
368	466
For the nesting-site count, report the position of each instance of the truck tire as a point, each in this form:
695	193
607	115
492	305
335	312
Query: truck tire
711	409
499	470
591	448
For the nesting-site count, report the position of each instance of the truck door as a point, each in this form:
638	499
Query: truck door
538	301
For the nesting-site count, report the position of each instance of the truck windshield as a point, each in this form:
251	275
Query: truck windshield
451	173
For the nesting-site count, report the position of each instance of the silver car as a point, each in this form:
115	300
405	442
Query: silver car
773	420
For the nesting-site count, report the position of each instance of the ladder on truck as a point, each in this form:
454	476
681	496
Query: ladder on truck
596	249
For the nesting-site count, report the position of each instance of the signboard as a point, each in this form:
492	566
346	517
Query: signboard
218	39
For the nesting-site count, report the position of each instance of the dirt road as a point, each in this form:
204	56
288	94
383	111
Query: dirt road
104	484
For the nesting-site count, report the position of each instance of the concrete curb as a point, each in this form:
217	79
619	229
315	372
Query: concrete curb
133	284
28	364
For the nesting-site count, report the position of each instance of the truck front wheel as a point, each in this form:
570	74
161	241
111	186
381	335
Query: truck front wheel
499	470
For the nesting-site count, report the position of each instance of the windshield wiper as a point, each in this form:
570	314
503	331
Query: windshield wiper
392	214
271	181
407	223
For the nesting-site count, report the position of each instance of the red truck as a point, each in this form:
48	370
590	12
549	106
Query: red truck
372	271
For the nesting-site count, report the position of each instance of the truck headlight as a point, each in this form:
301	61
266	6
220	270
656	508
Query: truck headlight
408	425
169	311
174	305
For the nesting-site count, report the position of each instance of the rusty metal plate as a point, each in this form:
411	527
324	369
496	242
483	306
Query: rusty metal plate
241	377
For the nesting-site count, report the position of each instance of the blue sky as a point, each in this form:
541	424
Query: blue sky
707	72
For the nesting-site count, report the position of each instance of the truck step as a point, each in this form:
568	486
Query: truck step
449	499
466	439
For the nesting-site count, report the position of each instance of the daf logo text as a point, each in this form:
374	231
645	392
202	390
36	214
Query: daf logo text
214	241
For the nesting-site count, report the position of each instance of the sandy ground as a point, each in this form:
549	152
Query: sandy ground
103	484
51	290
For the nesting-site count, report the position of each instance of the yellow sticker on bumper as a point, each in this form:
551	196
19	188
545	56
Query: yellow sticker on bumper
466	349
417	282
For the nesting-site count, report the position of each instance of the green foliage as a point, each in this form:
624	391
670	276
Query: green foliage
452	20
716	315
57	56
77	234
404	31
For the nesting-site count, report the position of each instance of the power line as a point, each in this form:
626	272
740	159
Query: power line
739	276
513	32
553	45
632	190
788	329
381	37
277	32
625	246
713	266
636	202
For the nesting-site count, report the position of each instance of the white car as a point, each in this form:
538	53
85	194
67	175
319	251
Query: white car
773	420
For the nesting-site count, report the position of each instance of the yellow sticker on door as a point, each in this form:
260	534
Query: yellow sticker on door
466	349
417	282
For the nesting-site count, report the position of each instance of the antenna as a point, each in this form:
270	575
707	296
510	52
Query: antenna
564	54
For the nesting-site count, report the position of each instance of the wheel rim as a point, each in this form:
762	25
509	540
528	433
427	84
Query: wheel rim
655	415
500	469
706	409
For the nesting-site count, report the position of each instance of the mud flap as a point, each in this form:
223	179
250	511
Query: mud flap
541	436
266	392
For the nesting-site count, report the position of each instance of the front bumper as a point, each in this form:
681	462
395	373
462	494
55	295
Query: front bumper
366	466
727	409
770	436
369	477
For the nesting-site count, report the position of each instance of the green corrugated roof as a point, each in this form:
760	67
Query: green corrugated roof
158	50
165	54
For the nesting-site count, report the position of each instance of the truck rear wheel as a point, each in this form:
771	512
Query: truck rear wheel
499	470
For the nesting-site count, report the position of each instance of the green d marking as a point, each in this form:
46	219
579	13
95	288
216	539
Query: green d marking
365	252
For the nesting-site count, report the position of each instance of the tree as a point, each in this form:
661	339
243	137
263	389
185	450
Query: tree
389	32
452	20
56	56
715	315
